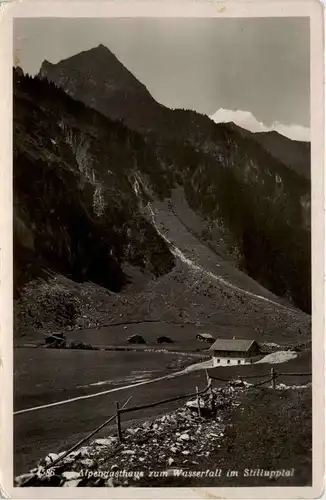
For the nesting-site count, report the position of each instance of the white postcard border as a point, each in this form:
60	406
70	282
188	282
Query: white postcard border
168	8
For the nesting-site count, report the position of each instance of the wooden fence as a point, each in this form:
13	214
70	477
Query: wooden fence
121	411
117	417
273	375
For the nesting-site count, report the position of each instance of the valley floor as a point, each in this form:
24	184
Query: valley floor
87	384
180	448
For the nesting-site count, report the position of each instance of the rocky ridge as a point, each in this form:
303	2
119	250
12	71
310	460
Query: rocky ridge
222	171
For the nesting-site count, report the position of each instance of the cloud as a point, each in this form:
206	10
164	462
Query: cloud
246	120
296	132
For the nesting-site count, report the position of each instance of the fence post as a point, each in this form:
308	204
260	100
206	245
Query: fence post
198	402
118	420
209	383
273	375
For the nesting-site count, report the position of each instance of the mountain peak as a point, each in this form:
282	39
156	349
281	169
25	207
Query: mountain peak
102	82
19	71
45	68
46	64
99	49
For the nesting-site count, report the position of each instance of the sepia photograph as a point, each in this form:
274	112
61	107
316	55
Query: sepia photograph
162	228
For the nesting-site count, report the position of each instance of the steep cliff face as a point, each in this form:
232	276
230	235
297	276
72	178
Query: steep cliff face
75	210
293	154
253	205
255	209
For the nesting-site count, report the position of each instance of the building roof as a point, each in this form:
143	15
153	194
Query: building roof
231	345
205	335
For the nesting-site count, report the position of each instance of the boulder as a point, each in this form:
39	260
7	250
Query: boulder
133	430
70	475
184	437
83	452
106	442
87	462
51	457
193	404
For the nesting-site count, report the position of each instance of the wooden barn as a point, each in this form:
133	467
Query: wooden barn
205	337
234	352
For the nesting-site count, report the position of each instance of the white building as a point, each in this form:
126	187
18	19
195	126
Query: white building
235	352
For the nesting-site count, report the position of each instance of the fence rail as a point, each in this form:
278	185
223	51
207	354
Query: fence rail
86	438
274	375
164	401
295	374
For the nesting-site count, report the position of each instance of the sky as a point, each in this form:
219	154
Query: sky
260	66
